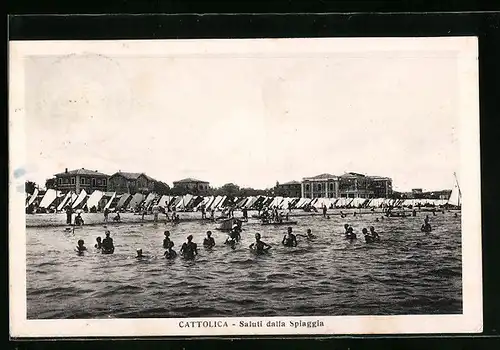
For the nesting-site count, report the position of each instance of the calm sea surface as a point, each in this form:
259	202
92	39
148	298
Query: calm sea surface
408	272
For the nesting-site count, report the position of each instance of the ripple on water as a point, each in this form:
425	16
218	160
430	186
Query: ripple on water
407	272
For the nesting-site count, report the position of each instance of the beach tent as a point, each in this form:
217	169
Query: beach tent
150	197
94	198
216	202
136	200
110	200
221	203
241	202
32	198
250	201
164	200
79	199
49	198
61	205
122	203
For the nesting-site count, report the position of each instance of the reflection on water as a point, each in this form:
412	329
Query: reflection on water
408	272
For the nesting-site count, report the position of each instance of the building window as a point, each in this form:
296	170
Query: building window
59	181
307	187
94	182
72	180
331	187
104	182
82	181
318	187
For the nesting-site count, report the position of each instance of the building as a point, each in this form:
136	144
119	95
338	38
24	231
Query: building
289	189
192	186
79	179
349	185
125	182
323	185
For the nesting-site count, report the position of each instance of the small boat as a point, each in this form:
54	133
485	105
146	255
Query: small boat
279	223
227	224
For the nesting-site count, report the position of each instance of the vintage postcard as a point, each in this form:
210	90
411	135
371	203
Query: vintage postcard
244	187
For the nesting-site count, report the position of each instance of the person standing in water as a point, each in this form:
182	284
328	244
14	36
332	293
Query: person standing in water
258	245
98	244
170	253
324	210
374	234
80	248
309	234
209	241
189	249
107	244
289	240
166	241
140	255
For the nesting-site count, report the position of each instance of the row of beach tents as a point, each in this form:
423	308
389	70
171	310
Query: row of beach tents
55	201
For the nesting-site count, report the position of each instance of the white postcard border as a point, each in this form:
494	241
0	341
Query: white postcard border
469	322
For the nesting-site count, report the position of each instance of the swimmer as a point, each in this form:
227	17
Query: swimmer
258	245
80	248
170	253
426	227
98	245
167	242
350	233
456	215
107	244
368	238
376	220
308	236
140	255
235	233
374	234
189	249
209	241
289	240
79	220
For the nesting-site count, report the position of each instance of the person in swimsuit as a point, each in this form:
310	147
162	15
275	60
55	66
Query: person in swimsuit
350	233
289	240
140	255
209	241
80	248
167	242
235	233
189	249
98	245
79	220
374	234
107	244
170	253
368	238
309	234
258	245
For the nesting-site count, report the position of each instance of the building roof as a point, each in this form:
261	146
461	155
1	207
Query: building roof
291	183
132	176
321	177
81	171
352	174
189	179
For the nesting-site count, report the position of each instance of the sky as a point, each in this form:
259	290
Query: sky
250	119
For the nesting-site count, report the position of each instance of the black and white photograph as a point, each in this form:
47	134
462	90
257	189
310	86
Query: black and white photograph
244	186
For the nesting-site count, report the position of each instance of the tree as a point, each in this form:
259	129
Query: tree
50	183
161	188
230	190
178	191
30	187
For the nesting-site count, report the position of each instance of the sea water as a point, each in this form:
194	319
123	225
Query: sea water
407	272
